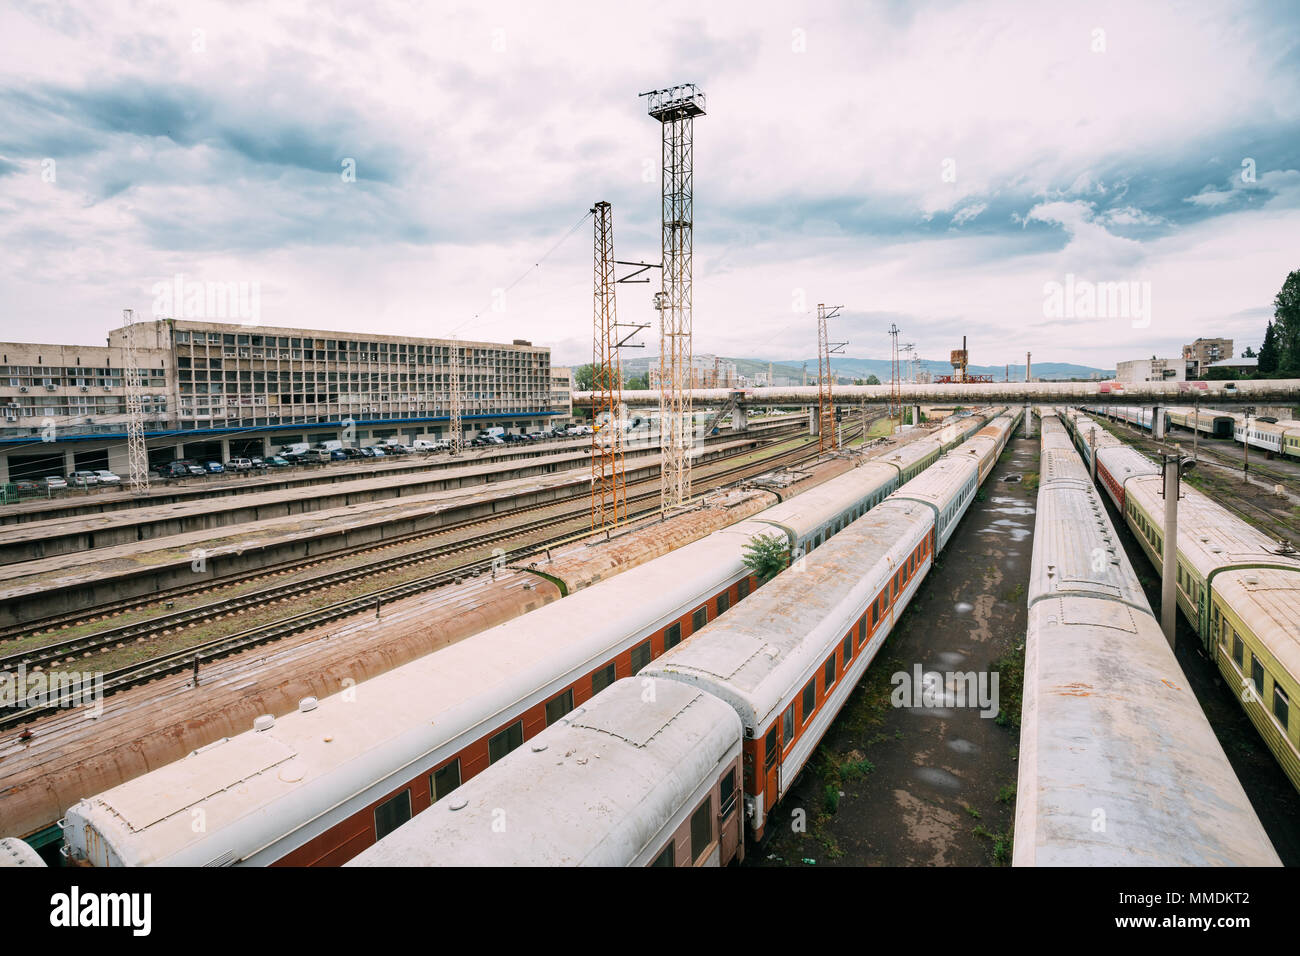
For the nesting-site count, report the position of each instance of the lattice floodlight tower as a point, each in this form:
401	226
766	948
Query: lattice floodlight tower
137	457
825	400
676	108
608	488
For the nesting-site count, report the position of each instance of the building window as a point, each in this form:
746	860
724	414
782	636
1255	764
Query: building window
391	814
640	656
702	829
602	678
724	602
699	619
444	781
809	699
1281	706
506	741
666	858
672	635
558	706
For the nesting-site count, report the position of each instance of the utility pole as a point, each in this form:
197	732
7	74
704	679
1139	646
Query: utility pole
1196	426
676	108
454	386
895	388
1172	466
825	382
1245	445
137	456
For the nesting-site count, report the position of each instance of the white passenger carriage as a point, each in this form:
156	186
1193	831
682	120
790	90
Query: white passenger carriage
646	773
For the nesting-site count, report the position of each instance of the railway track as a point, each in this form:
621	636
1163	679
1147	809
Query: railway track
126	605
195	656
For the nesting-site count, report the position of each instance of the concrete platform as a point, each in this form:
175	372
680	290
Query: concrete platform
79	534
73	580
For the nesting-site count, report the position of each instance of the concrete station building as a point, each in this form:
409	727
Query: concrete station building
213	391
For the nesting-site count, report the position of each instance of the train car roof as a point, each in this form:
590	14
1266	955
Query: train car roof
598	788
364	733
752	656
1268	602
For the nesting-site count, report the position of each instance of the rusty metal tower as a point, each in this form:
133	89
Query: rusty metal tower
676	108
137	456
825	380
608	486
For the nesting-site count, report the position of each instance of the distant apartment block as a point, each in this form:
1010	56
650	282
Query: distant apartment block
1152	370
1203	353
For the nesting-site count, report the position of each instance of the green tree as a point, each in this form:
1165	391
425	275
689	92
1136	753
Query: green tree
767	556
1286	313
584	377
1268	352
1249	353
639	383
872	380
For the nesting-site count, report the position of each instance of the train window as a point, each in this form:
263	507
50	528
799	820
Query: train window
702	828
666	858
724	602
809	699
862	629
640	656
391	814
828	673
1238	651
1281	706
444	781
727	793
672	635
787	726
742	588
561	704
769	749
602	678
848	647
1256	673
507	740
699	619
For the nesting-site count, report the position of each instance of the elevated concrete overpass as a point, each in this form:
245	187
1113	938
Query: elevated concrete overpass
1261	392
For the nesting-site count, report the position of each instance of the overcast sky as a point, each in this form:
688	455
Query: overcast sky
934	165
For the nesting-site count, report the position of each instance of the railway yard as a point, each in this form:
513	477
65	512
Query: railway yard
180	620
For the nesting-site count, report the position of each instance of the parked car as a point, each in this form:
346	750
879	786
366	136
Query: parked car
353	453
257	463
278	461
83	479
315	456
337	454
239	464
107	477
214	467
367	452
196	470
536	436
24	487
512	438
53	483
172	469
379	452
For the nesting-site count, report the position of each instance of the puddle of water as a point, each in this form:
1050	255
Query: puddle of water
961	607
948	659
963	746
938	778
